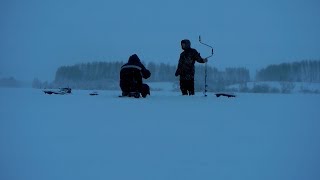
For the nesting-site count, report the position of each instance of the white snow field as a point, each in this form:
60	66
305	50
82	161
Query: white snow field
163	137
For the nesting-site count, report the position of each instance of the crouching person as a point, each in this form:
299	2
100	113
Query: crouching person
131	75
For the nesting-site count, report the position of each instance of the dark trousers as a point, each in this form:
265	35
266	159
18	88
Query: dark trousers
187	87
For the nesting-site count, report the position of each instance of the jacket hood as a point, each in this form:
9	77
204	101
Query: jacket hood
134	59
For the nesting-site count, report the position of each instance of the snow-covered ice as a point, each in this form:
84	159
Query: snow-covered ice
163	137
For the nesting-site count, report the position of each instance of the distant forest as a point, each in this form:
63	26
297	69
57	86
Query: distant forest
105	75
10	82
304	71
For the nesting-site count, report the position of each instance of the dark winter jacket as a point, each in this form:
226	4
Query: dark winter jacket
131	74
186	63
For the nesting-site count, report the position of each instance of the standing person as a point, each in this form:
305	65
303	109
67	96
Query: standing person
185	67
131	75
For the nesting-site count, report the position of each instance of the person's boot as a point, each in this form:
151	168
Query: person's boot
184	93
125	94
134	94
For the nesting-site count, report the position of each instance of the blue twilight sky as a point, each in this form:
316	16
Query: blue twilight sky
38	36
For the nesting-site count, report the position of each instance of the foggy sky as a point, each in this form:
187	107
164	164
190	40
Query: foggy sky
38	36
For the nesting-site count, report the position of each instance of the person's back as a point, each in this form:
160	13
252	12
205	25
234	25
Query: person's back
131	75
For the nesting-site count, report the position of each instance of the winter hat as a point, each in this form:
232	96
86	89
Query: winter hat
187	43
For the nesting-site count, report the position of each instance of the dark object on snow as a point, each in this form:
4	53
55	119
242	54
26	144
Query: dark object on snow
223	94
61	91
94	94
131	75
51	92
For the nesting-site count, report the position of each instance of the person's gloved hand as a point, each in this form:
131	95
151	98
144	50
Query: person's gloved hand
205	60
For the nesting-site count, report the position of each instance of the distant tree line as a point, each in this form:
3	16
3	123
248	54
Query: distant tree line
304	71
10	82
96	75
218	80
89	72
161	72
105	75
